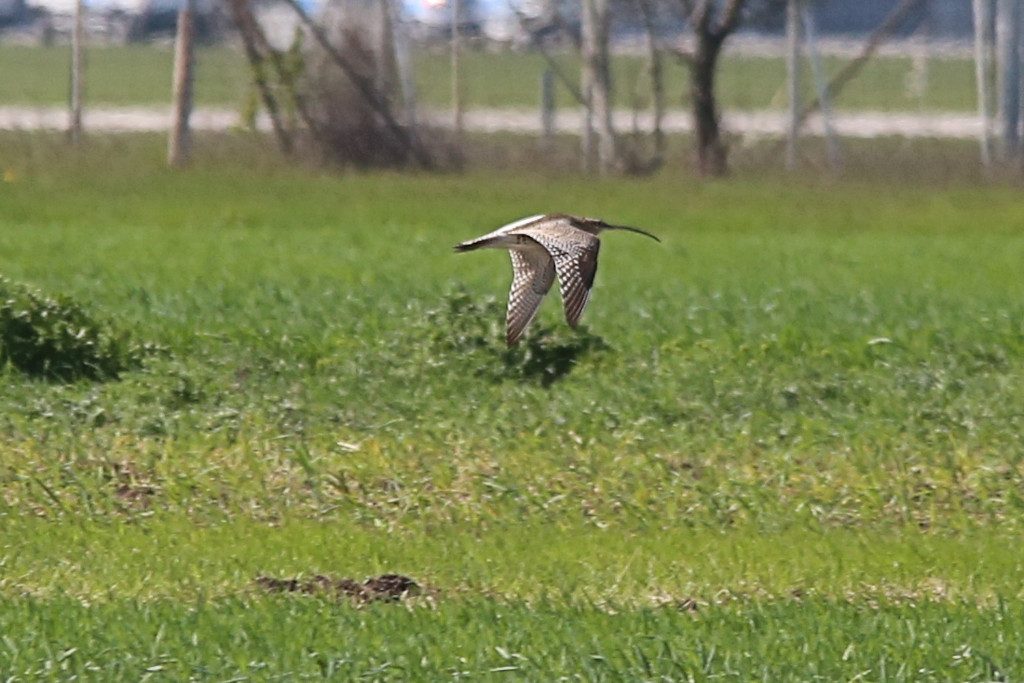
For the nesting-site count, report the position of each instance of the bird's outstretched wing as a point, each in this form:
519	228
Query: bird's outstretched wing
574	253
533	271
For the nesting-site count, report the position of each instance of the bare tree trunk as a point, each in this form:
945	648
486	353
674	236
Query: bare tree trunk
77	74
832	153
982	72
597	80
793	79
656	74
457	113
547	109
588	137
607	143
403	63
179	143
387	73
587	76
711	151
1008	74
711	27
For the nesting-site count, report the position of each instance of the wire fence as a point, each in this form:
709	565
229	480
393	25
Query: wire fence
904	80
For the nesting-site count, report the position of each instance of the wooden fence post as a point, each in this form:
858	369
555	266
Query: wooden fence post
982	75
793	79
457	113
77	74
1008	74
547	107
179	143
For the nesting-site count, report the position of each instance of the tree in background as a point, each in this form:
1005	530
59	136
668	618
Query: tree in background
596	87
712	23
603	148
339	80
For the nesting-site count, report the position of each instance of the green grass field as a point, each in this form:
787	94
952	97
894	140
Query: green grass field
787	442
141	75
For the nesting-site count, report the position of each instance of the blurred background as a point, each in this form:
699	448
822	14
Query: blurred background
606	86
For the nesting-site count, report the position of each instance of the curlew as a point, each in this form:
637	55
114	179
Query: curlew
542	247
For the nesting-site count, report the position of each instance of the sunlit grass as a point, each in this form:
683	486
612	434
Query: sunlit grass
307	638
173	557
122	75
803	416
790	349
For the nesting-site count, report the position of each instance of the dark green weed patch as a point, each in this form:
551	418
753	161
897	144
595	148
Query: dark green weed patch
56	339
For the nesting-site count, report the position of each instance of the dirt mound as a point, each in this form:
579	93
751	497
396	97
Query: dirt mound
383	588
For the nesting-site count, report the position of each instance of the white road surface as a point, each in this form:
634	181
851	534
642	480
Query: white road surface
863	124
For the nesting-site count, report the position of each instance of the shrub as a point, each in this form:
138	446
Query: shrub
57	340
344	129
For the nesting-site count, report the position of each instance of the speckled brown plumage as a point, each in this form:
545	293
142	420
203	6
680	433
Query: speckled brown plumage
542	247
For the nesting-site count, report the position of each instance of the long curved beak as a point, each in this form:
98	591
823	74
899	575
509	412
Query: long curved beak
636	230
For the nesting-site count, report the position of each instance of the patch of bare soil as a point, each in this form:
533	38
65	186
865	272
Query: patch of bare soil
383	588
131	487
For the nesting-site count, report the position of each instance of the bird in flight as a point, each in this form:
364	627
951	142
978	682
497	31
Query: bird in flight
541	247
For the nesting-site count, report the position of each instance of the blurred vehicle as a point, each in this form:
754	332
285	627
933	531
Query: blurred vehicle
431	20
506	21
515	22
159	18
11	11
118	21
21	21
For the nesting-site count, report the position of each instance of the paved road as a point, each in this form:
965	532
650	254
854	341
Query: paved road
864	124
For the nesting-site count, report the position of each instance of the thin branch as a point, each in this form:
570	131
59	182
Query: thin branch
556	69
287	79
657	81
730	17
853	67
248	28
698	14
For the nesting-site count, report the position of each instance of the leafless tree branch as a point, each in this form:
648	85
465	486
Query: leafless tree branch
556	69
731	16
700	14
853	67
366	88
656	72
248	28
